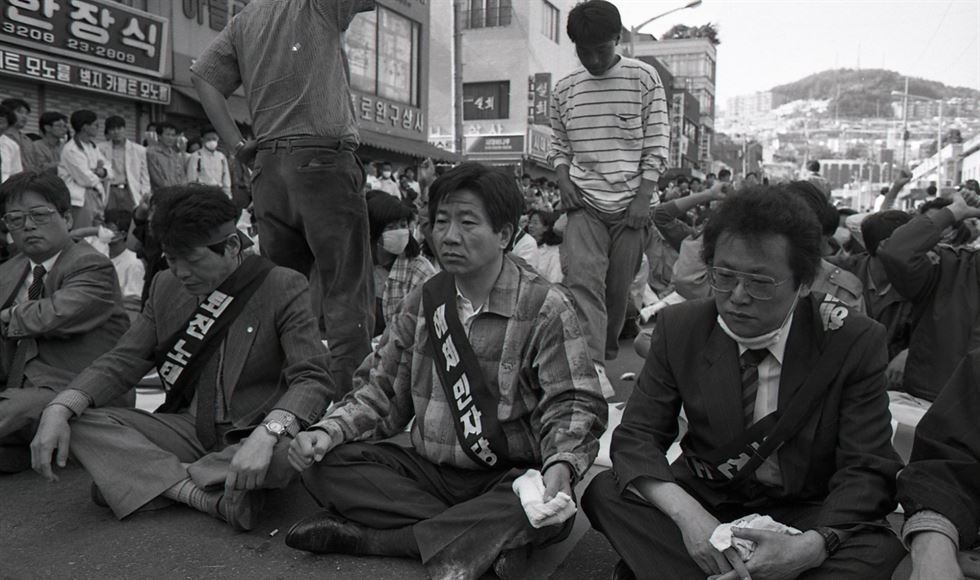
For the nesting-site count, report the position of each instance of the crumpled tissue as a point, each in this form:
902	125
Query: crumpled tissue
530	490
722	537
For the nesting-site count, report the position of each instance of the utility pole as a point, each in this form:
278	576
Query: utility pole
905	122
458	15
939	150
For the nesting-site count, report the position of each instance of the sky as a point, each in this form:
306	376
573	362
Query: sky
765	43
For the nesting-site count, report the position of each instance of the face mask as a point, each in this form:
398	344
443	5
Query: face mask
386	174
395	241
763	340
210	145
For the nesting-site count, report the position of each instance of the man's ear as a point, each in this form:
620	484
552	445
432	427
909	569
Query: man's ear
506	236
233	244
68	219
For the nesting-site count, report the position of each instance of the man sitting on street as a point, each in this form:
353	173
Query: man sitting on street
60	308
491	362
811	446
236	343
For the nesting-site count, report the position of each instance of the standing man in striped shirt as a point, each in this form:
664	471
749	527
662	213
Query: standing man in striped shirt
609	120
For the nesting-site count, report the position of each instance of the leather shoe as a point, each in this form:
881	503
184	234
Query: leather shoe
324	533
513	564
622	572
241	508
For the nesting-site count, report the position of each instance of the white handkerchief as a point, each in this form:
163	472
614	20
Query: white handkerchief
722	537
530	491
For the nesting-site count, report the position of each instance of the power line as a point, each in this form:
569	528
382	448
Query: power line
935	32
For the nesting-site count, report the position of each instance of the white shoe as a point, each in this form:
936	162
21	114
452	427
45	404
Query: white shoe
607	388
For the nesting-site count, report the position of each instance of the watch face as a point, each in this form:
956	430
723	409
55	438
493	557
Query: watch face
275	427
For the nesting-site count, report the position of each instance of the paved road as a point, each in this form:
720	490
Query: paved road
55	531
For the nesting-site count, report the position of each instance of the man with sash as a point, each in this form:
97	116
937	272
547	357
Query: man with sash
490	361
784	393
236	344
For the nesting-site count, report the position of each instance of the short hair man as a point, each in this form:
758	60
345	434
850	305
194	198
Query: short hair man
489	359
10	156
307	190
47	151
236	343
15	131
940	487
941	282
814	177
130	183
60	308
787	416
84	169
725	175
207	165
609	120
164	162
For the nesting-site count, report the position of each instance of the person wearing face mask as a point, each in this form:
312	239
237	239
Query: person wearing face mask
784	392
399	265
208	166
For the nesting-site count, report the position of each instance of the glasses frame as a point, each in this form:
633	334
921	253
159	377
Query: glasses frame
744	278
40	217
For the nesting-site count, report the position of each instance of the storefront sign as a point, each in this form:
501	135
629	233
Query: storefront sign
495	144
540	143
59	71
385	116
99	31
541	101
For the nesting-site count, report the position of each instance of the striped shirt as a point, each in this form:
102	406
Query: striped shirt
405	274
288	56
536	362
611	131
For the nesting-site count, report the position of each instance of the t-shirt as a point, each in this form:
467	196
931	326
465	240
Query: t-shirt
288	56
130	271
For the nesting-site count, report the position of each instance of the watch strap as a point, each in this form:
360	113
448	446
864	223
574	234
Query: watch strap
831	539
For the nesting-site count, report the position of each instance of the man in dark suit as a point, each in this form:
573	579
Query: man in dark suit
785	400
236	342
60	308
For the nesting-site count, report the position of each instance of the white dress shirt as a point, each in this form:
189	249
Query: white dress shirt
29	279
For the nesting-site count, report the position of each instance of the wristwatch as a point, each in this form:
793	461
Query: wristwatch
276	428
830	538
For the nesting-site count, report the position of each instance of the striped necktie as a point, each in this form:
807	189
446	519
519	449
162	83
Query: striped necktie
37	284
749	365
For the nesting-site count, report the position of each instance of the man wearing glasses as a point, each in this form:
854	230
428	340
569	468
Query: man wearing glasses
60	308
785	398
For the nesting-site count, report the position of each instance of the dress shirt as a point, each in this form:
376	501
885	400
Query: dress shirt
48	264
10	160
209	168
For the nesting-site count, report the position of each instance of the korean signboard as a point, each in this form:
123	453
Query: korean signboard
386	116
495	144
541	99
540	143
61	72
98	31
486	101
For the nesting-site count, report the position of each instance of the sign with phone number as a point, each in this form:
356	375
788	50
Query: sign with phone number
58	72
97	31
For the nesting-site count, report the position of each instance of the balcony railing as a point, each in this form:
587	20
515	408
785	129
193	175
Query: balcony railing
488	18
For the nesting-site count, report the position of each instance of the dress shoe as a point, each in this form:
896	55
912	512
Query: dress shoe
622	572
241	508
325	533
513	564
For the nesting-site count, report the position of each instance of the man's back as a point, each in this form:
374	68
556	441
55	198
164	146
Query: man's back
288	57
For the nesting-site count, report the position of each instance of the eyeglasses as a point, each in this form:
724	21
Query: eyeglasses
757	286
15	220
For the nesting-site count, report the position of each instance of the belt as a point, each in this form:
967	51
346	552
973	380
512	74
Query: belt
290	143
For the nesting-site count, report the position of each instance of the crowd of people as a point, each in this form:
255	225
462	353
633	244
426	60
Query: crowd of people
476	310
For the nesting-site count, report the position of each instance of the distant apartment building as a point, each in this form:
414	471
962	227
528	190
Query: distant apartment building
513	54
952	107
754	105
692	62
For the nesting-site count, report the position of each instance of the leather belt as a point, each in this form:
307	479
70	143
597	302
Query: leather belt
290	143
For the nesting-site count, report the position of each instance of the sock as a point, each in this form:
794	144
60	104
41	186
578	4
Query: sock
399	542
187	492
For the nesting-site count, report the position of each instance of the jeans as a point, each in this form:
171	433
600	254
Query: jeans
600	256
312	218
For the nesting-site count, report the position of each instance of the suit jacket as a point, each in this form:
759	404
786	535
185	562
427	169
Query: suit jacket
273	356
80	317
137	174
842	456
943	474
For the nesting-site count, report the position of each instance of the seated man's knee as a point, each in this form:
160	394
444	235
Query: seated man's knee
601	490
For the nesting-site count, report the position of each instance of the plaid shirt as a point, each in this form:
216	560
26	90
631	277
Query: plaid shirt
537	363
405	274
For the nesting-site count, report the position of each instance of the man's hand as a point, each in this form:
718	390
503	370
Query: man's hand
780	556
101	172
53	433
20	406
895	372
965	205
557	478
246	153
251	462
934	558
696	529
427	173
309	446
903	178
638	212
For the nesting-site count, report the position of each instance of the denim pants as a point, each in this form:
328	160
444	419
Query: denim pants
312	218
600	256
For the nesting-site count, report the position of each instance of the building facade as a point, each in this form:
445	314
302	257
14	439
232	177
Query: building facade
754	105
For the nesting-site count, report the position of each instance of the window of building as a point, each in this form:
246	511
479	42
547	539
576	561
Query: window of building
550	21
237	6
486	101
488	13
383	54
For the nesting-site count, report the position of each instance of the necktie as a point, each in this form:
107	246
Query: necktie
749	365
36	288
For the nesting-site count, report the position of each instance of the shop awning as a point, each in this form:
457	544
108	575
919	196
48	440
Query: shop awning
185	102
406	146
